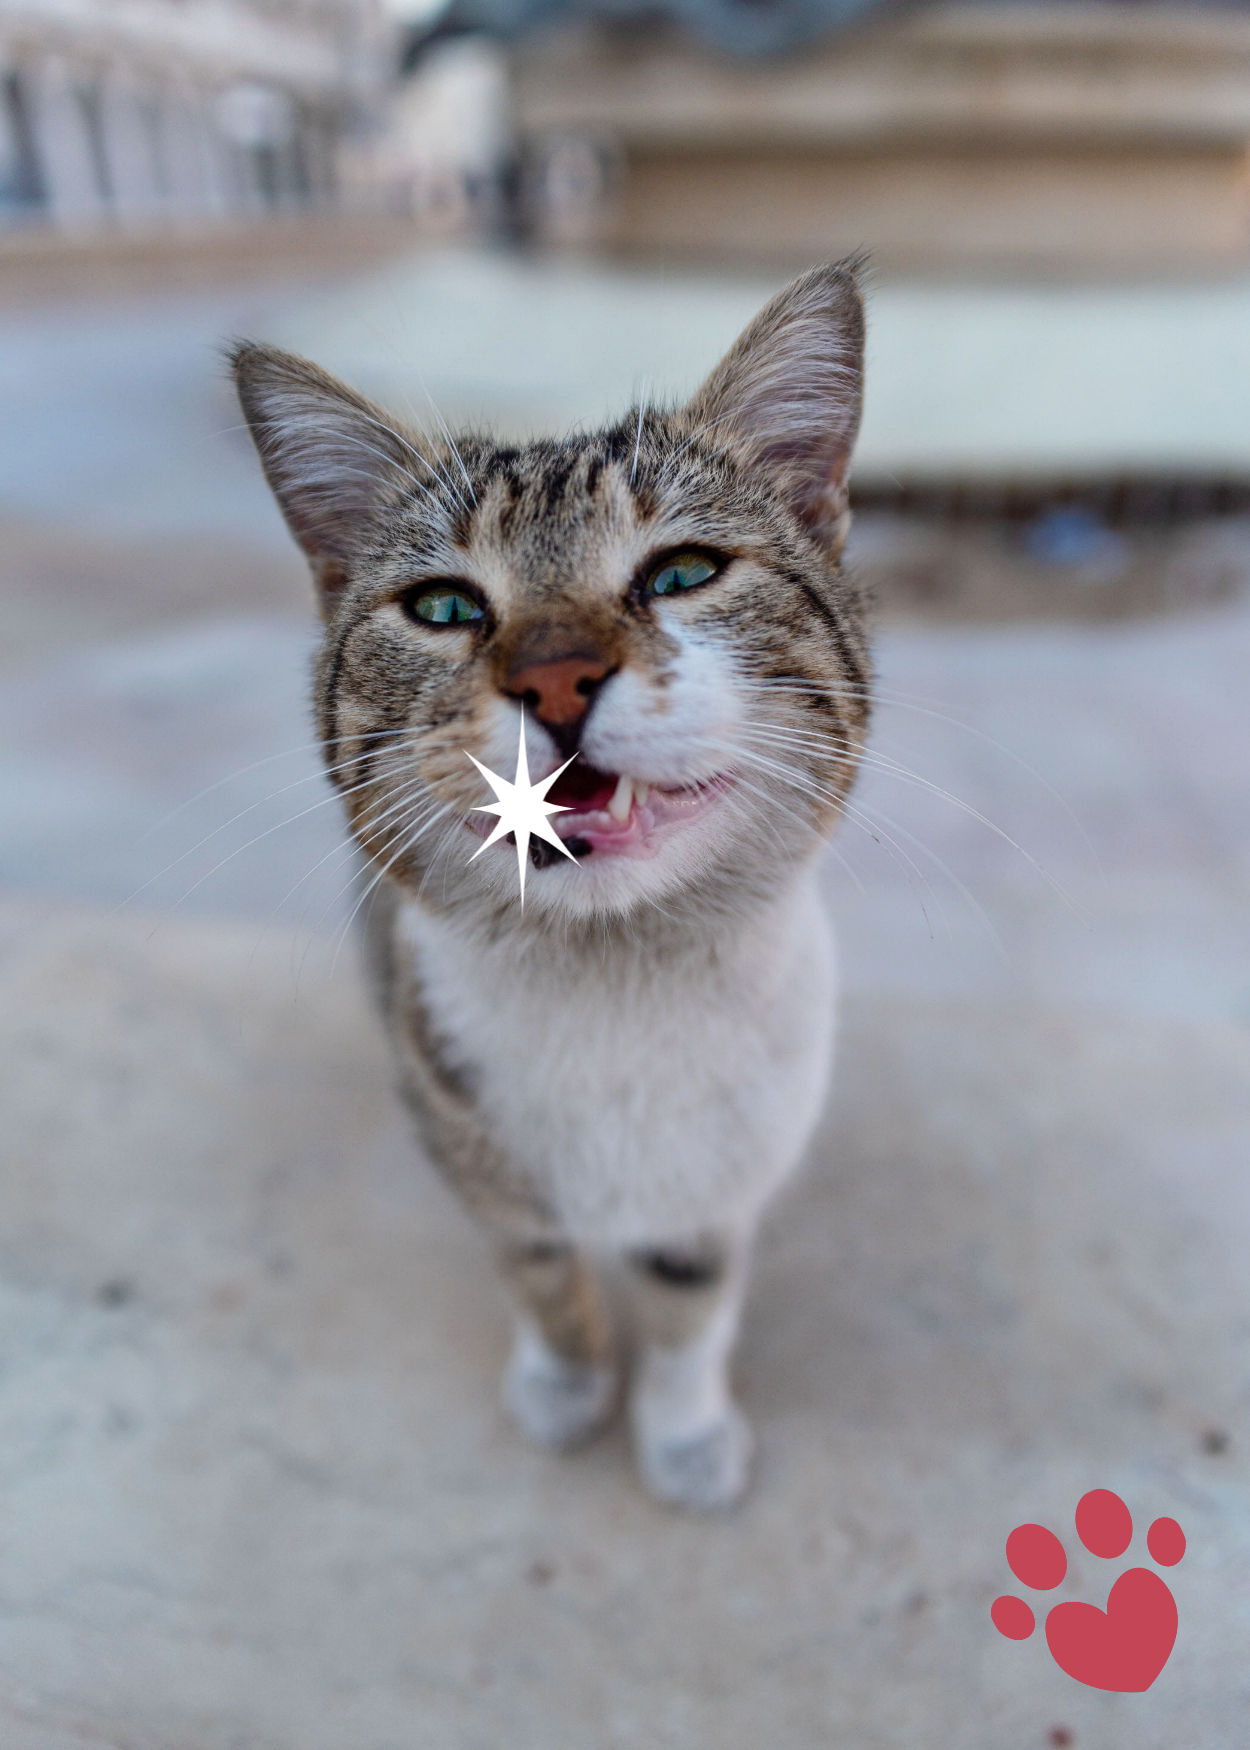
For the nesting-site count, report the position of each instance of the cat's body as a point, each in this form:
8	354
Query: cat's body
669	1094
634	1060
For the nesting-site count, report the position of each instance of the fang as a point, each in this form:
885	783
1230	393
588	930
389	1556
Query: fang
622	799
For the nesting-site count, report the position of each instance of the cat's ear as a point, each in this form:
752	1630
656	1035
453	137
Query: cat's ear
332	458
788	394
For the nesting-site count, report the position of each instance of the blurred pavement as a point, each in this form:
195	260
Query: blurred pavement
259	1489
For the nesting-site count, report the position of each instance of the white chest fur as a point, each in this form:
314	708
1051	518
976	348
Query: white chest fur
651	1101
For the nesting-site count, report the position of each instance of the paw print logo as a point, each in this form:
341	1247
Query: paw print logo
1123	1647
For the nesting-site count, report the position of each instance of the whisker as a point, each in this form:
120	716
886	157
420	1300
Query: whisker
893	768
351	843
961	888
418	816
642	407
912	702
208	790
413	811
451	442
437	856
251	808
237	852
353	439
416	454
404	847
852	812
285	753
806	783
873	760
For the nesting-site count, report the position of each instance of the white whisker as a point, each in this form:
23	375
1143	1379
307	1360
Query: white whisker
451	443
642	407
309	778
880	762
928	708
405	846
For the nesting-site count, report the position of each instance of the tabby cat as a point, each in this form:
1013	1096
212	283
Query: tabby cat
633	1061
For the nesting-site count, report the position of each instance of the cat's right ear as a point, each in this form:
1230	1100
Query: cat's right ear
788	395
332	458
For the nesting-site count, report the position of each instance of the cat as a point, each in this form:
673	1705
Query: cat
631	1062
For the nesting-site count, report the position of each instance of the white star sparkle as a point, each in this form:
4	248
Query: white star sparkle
522	808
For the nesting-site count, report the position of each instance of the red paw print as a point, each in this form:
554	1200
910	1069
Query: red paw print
1123	1647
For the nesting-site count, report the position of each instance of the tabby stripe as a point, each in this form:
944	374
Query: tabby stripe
850	662
554	483
332	679
819	697
462	516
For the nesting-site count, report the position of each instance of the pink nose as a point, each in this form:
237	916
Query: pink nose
558	693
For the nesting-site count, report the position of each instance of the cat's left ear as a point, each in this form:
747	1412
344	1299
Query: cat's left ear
333	459
788	395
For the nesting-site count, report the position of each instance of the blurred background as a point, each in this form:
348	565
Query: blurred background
258	1489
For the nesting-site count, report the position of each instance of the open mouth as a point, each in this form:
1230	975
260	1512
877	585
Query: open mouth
610	812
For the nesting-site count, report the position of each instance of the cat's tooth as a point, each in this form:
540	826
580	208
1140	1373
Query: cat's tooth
622	799
641	792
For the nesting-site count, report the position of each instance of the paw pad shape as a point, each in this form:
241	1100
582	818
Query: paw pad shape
1123	1647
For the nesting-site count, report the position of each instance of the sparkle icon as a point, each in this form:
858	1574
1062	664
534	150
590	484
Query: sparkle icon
522	809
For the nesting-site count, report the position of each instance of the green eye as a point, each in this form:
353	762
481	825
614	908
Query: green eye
443	607
686	571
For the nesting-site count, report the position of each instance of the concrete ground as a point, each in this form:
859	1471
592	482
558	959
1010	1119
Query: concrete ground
258	1491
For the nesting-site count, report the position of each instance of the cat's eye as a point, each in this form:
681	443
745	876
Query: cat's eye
683	571
442	605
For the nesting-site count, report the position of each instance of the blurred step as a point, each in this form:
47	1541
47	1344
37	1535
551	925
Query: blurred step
1097	138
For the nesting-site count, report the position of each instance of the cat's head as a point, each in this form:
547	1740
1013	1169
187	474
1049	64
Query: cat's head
662	599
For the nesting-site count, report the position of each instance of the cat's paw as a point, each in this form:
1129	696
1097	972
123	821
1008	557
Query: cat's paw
705	1468
557	1403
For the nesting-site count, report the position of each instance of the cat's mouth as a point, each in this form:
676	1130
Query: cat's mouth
613	814
623	816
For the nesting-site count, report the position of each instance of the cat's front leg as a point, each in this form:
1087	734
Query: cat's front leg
692	1442
560	1382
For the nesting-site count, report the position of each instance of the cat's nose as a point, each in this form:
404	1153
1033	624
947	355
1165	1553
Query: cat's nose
559	693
